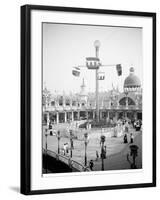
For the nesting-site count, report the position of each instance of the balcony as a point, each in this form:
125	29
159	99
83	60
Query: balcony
89	107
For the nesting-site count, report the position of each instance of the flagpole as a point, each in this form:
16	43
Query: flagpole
97	45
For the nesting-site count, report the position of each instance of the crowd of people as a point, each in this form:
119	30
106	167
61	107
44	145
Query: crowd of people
123	128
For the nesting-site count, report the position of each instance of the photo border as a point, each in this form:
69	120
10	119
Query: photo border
26	97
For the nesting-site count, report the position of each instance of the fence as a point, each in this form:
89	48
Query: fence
74	165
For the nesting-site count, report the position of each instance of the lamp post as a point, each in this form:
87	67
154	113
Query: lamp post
93	63
97	46
46	101
46	135
86	140
103	151
58	137
71	142
133	154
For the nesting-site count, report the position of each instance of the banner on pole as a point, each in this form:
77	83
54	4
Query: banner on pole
76	71
119	69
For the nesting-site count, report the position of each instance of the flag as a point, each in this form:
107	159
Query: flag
119	69
76	71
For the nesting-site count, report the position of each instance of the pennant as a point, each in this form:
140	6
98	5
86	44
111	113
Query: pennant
76	71
119	69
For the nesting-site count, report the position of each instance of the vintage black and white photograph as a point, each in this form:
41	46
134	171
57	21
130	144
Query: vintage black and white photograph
92	92
88	104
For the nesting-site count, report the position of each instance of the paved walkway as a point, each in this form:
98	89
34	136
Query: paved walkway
116	149
119	160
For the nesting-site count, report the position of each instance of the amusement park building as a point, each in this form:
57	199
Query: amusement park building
113	104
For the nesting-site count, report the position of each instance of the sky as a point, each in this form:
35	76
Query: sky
66	46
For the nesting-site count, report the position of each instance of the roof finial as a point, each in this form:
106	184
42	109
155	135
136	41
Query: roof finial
131	70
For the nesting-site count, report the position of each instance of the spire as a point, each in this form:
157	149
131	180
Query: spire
83	84
83	87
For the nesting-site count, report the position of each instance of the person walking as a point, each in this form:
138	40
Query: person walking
131	138
67	148
97	155
64	149
91	164
125	138
72	146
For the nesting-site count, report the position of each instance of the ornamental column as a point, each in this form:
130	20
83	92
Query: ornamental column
78	113
87	115
93	115
100	115
57	118
65	117
108	115
72	116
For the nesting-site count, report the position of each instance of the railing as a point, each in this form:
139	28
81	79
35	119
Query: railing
74	165
130	107
76	108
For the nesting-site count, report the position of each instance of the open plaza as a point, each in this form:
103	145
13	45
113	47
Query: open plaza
114	142
116	149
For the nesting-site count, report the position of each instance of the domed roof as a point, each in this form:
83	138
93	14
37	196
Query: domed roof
132	81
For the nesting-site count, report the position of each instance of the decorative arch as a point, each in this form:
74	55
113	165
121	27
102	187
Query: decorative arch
67	101
53	103
122	101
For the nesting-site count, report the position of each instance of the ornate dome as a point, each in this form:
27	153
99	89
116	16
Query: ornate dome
132	81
